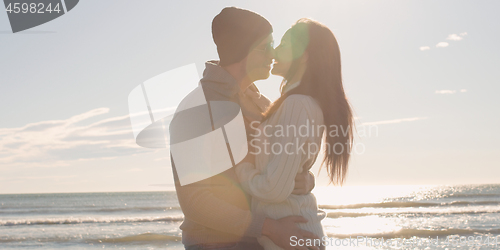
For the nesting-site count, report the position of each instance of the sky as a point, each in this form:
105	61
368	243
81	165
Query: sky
424	74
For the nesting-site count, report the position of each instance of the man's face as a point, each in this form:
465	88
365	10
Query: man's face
258	61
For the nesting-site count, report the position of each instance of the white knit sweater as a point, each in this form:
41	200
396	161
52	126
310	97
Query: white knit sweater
271	180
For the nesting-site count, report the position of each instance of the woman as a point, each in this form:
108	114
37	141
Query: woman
312	97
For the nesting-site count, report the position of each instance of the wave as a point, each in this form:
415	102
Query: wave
335	215
146	238
140	238
137	209
409	204
52	210
25	239
473	195
61	221
408	233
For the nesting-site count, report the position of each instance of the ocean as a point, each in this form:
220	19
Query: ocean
359	217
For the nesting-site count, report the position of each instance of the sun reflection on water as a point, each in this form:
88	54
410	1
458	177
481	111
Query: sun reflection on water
418	211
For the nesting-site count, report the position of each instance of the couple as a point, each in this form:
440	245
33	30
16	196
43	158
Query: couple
264	202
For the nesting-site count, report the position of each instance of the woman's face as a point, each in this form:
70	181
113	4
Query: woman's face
283	56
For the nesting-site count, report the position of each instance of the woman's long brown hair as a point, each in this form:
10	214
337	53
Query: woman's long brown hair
322	80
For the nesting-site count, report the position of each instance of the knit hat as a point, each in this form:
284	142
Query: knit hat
235	30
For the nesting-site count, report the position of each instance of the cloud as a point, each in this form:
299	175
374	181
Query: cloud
395	121
454	37
61	142
162	185
163	158
30	178
445	91
442	45
135	170
449	92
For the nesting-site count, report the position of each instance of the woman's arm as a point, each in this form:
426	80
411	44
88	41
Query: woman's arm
276	182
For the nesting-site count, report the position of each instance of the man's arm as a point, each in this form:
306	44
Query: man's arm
203	207
200	205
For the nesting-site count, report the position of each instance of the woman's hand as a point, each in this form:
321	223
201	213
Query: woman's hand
304	183
282	231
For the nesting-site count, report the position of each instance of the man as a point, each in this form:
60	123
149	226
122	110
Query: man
216	210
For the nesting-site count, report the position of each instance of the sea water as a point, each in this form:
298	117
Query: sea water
359	217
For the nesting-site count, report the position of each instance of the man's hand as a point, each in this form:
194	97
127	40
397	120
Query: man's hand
304	183
280	232
250	158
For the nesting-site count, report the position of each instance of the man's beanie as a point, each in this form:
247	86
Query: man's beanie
235	30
